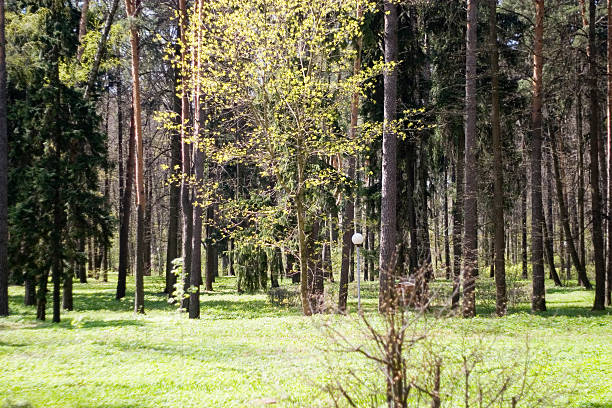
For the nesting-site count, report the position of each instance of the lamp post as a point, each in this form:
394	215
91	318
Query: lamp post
357	239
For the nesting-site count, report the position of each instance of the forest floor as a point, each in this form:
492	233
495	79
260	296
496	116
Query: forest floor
247	352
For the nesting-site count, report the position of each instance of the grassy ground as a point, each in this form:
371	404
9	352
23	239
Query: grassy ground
246	352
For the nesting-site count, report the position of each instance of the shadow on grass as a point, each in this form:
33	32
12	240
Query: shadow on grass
597	405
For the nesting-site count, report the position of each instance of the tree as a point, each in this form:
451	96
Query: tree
133	10
389	161
538	302
498	199
598	245
609	134
470	218
4	308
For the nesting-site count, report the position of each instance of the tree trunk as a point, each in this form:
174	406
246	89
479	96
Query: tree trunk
501	298
82	27
598	245
211	248
186	204
126	203
470	237
174	211
67	298
538	302
4	308
609	159
133	9
550	254
30	290
93	74
195	278
388	211
447	260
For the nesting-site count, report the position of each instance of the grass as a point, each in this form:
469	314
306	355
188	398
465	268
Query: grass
245	352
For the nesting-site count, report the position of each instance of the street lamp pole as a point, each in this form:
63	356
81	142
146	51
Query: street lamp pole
357	239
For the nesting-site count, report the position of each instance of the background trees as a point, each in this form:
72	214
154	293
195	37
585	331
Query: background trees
282	127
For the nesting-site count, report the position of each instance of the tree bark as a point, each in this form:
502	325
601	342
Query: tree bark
598	245
538	301
501	298
82	27
470	237
4	307
388	211
133	9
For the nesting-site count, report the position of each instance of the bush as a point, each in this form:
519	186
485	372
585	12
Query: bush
284	297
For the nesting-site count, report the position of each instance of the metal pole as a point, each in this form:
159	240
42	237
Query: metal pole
358	280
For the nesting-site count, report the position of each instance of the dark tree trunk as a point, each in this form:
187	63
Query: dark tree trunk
598	245
67	298
4	308
195	278
41	296
388	211
458	220
82	270
82	27
186	203
56	244
550	254
538	302
126	206
211	248
498	168
148	230
470	236
447	259
30	290
609	158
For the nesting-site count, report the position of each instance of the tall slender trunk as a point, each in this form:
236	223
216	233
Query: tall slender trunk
126	206
56	244
211	248
4	308
446	226
133	10
186	204
198	154
501	298
388	210
609	158
524	268
470	236
538	302
598	245
174	211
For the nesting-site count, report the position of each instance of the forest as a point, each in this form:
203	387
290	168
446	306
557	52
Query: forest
340	203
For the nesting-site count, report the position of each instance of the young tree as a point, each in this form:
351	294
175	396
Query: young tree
133	10
388	204
470	237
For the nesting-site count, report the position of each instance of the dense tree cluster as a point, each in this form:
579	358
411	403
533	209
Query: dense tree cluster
254	137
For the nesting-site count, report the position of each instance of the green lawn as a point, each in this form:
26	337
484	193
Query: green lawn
245	352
